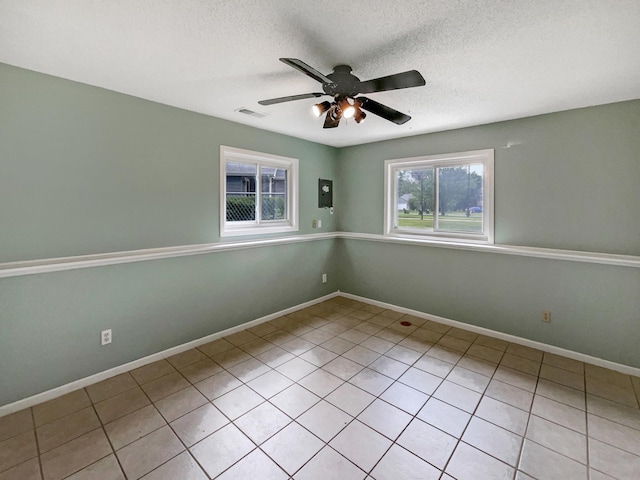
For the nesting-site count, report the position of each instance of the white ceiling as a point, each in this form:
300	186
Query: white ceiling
483	60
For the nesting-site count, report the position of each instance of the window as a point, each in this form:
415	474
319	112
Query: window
443	197
259	193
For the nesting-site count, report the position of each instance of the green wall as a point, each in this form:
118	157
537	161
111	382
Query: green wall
84	170
569	181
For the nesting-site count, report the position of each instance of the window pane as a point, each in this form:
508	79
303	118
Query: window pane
460	198
273	194
241	191
415	198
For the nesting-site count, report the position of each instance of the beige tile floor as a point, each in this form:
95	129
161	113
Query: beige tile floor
342	391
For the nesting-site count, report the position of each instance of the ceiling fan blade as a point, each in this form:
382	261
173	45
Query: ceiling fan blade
290	98
383	111
307	70
412	78
332	119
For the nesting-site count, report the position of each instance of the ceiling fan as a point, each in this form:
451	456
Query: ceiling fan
344	88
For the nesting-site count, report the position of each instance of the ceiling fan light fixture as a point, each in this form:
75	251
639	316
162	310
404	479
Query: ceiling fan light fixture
359	116
349	112
348	108
319	108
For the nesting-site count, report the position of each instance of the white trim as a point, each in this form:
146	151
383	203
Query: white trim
31	267
235	229
581	357
484	157
34	267
141	362
536	252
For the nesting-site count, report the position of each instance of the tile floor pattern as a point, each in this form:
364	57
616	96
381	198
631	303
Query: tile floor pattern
339	390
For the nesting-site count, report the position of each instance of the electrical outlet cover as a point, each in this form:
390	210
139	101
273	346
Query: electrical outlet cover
105	337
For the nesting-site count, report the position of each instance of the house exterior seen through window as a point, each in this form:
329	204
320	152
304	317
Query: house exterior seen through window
259	193
446	197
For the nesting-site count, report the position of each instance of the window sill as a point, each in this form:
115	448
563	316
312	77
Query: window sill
441	237
242	231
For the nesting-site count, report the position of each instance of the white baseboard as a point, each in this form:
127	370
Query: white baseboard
581	357
98	377
141	362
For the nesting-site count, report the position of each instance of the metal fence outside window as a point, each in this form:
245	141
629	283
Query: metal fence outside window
241	207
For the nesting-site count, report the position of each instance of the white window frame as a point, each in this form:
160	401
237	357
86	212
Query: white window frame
258	226
485	157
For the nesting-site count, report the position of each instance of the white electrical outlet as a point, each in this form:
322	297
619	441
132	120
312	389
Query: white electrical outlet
319	223
546	316
105	337
324	278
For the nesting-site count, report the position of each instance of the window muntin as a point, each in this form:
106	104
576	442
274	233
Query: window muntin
258	193
448	197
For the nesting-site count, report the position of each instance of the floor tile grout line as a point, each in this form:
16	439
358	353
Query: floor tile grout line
524	435
147	434
562	454
35	434
167	423
104	431
326	444
92	463
586	434
187	448
413	417
586	427
257	446
32	427
99	427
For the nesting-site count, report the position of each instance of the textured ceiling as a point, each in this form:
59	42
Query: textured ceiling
483	60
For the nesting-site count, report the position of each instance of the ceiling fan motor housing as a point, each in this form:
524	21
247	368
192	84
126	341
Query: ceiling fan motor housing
344	83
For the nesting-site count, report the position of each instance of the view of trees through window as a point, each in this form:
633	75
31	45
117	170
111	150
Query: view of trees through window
440	198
